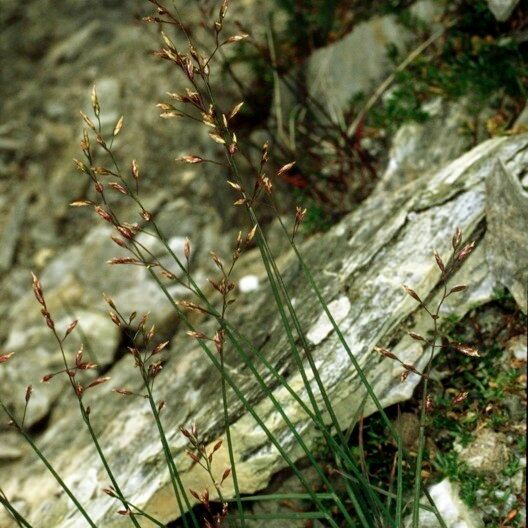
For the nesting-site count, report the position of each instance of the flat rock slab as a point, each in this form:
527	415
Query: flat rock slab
359	265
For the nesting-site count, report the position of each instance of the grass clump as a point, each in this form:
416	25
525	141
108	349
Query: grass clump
347	494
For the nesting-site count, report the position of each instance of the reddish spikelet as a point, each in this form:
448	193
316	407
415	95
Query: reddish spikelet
465	349
143	320
70	328
439	261
6	357
79	356
146	215
193	457
124	392
117	187
416	337
219	341
98	381
104	214
154	370
457	238
37	290
119	241
460	397
225	474
465	251
411	293
429	406
300	213
196	335
458	288
385	352
125	232
124	260
109	491
29	392
194	494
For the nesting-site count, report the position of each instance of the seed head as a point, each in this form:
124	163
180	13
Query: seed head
412	293
285	168
465	251
234	111
88	121
70	328
439	261
460	397
6	357
190	159
119	126
465	349
98	381
135	170
104	214
457	238
95	102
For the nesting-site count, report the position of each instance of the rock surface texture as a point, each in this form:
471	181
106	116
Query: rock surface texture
388	241
502	9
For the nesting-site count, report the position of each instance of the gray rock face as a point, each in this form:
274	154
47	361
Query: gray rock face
502	9
507	216
487	454
414	152
357	62
387	241
453	511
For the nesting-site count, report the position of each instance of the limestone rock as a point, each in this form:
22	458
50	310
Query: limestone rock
454	512
357	62
487	453
502	9
359	266
507	233
413	153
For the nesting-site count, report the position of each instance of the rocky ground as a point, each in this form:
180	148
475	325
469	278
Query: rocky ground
433	179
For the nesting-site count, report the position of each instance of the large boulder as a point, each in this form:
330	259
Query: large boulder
359	265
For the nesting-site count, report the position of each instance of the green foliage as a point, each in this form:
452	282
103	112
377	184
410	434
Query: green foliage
478	60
